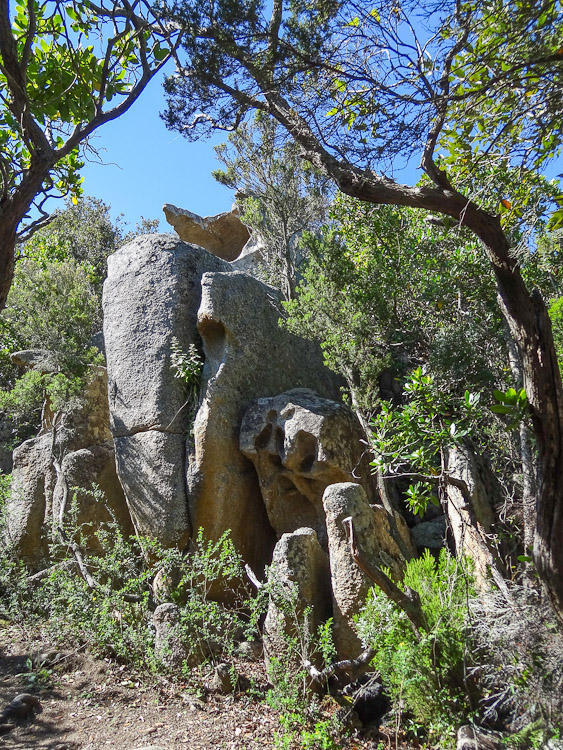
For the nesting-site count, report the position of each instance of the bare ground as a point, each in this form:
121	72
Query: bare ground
92	703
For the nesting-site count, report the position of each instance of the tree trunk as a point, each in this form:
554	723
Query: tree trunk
12	210
529	483
7	252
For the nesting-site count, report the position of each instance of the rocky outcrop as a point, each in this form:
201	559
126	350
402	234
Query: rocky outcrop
247	356
97	494
28	510
223	235
300	443
151	295
299	579
68	459
349	584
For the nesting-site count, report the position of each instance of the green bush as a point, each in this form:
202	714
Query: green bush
114	617
53	305
208	626
424	672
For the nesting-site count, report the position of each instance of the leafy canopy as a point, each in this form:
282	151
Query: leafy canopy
66	68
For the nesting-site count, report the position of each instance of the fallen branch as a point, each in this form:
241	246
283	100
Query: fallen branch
343	672
408	600
42	574
77	552
253	578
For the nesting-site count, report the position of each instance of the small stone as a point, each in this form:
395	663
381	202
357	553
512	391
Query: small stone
475	738
250	650
168	644
224	679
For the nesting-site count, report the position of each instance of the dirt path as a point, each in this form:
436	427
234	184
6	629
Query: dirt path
94	704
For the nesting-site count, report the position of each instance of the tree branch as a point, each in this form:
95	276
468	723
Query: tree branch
408	601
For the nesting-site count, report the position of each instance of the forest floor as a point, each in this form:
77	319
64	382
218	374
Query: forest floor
92	703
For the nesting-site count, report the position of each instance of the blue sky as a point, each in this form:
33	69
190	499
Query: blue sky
147	165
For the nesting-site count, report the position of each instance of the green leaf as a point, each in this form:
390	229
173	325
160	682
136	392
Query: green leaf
499	409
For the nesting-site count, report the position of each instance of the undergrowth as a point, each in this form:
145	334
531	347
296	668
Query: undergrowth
481	658
425	672
113	617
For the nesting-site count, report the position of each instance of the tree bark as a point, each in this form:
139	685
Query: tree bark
12	210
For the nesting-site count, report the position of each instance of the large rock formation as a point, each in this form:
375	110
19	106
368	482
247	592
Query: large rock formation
151	295
300	443
153	291
349	584
68	459
247	356
223	235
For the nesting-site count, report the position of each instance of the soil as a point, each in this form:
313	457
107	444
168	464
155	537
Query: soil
92	704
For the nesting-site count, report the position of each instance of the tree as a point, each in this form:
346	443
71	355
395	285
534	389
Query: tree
66	68
55	304
359	86
83	231
280	196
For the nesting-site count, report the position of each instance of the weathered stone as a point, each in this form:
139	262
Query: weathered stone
87	422
250	650
150	466
151	296
475	738
250	259
472	517
247	356
169	647
82	444
223	679
223	235
84	471
430	534
349	584
300	443
299	578
27	511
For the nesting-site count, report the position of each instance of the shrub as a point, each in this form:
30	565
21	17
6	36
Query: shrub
424	672
208	627
519	655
